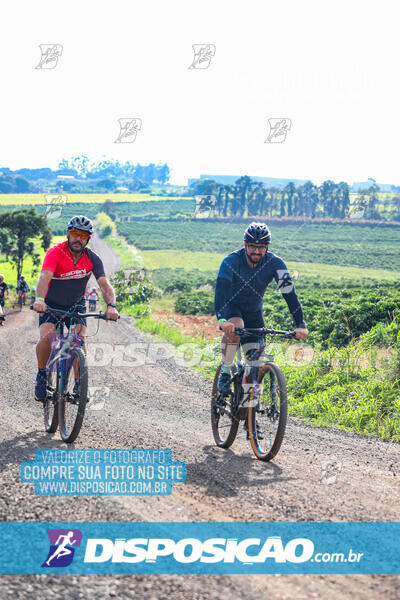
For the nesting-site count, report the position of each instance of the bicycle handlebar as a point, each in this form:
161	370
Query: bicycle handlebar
65	313
262	331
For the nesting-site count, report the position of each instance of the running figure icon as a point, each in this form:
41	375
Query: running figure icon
62	542
62	549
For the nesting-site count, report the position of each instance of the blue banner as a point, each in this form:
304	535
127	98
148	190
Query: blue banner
103	472
198	548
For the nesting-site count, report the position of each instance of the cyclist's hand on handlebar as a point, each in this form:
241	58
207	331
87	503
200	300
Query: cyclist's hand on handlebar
39	306
111	313
301	333
227	327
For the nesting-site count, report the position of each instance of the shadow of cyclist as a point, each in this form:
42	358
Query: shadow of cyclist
224	473
22	447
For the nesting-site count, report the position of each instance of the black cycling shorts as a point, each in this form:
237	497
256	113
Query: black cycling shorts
253	320
2	301
55	318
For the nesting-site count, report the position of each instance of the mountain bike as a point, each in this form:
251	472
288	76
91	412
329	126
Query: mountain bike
67	378
258	397
21	299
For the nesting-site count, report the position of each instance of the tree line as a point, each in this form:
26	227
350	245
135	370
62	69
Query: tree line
248	197
84	175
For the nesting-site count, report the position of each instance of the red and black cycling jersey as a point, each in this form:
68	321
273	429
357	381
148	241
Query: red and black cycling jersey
69	281
3	288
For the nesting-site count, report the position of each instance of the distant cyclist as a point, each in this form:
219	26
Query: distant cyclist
242	280
22	288
3	291
66	270
93	298
33	294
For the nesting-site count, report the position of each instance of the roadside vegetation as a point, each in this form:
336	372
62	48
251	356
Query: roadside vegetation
346	276
347	375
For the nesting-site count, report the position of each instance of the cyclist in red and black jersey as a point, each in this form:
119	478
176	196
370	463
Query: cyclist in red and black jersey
66	270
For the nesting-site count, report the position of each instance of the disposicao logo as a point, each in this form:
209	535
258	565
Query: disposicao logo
62	542
190	550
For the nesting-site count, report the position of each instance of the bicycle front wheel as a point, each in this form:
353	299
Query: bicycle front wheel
73	396
50	406
20	299
224	421
267	414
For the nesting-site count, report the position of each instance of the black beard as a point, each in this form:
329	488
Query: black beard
254	262
72	249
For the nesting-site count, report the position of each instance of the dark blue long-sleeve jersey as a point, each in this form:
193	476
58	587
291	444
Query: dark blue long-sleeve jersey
238	285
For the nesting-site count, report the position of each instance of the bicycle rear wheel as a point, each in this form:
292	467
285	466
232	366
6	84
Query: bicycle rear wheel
73	397
224	421
50	405
267	417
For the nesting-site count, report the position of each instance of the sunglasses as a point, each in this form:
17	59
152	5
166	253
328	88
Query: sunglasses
253	247
75	233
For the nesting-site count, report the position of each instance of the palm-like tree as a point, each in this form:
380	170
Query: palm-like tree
289	191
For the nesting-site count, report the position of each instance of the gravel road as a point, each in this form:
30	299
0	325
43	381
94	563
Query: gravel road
163	405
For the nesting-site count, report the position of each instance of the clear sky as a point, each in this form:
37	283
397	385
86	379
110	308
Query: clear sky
329	66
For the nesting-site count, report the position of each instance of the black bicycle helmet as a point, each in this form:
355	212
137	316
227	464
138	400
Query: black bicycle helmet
257	233
81	222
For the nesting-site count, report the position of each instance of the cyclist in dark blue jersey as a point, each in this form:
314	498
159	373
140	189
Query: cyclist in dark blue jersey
242	280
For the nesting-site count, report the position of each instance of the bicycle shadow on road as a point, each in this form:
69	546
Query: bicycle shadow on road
22	447
222	473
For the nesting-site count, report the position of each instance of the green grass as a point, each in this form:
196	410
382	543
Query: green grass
336	390
197	353
207	261
163	331
34	199
10	272
332	390
128	254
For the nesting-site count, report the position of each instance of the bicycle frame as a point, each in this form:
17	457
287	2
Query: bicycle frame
59	359
66	357
250	400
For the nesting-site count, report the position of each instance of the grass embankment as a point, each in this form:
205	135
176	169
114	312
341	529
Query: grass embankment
353	388
356	388
129	256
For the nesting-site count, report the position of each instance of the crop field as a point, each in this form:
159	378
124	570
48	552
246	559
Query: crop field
355	246
38	199
148	208
206	261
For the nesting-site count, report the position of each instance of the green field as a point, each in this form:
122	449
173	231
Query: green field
128	255
208	261
10	272
37	199
331	244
